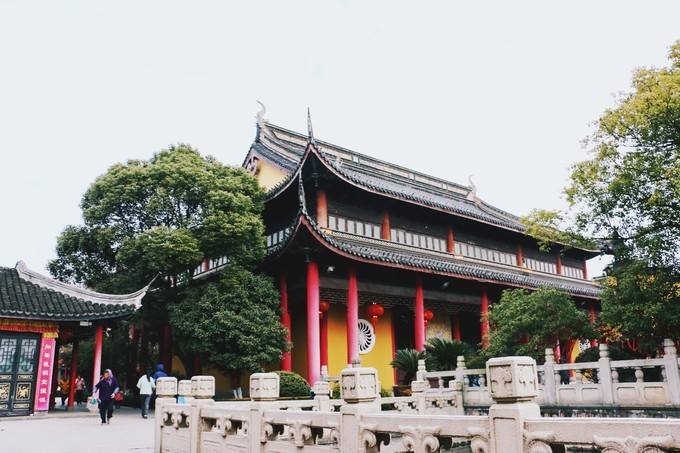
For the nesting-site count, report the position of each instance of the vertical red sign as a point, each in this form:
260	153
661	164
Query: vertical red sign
44	379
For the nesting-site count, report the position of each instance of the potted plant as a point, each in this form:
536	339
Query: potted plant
406	361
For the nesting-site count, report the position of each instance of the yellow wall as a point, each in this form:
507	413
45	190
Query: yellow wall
379	358
299	340
268	175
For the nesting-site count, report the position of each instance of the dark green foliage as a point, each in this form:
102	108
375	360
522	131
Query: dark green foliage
539	318
406	360
162	216
292	385
442	354
641	304
232	323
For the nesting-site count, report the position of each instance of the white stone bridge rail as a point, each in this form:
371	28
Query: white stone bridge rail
430	421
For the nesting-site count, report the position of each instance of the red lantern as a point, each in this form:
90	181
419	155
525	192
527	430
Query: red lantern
375	311
429	316
323	308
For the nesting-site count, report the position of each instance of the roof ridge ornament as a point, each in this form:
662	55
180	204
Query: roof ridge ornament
310	130
472	195
259	116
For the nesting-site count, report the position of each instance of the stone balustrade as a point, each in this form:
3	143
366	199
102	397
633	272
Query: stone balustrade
584	384
358	424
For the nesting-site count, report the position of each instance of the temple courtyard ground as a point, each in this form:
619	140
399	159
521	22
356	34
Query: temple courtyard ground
128	432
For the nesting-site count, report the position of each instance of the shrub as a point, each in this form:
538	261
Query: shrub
292	385
442	354
406	360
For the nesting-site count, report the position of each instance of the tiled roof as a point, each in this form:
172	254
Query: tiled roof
422	260
42	299
286	149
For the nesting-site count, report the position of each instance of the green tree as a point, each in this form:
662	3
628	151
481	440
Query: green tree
163	216
627	194
629	191
525	323
232	323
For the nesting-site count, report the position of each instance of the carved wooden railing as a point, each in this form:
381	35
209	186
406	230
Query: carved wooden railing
512	425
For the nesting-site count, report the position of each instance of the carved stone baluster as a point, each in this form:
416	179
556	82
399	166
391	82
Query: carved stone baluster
615	376
639	375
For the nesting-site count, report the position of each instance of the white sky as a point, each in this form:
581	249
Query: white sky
504	91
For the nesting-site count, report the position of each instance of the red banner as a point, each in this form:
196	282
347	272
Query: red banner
44	379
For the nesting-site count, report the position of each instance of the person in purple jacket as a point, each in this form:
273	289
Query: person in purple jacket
107	388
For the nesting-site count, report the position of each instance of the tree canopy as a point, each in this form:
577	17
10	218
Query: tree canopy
163	215
233	323
525	323
629	191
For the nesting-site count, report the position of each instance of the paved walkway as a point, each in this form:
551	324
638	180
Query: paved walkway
128	432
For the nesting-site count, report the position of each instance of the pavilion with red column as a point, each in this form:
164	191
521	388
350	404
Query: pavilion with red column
38	316
372	257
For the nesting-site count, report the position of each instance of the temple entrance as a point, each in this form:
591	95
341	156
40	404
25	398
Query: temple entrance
18	364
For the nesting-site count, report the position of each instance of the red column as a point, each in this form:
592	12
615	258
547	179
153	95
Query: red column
593	317
167	349
313	347
419	316
197	366
74	374
98	344
558	265
450	241
520	256
385	229
352	316
455	327
287	358
585	270
324	338
484	320
321	209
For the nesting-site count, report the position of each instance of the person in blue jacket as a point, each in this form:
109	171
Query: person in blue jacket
160	371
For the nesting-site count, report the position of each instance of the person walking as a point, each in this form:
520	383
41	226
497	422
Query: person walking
107	388
160	372
80	390
146	385
64	386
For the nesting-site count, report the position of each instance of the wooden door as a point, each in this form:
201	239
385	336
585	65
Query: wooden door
18	366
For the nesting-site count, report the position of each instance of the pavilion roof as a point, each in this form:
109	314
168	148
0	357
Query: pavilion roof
26	294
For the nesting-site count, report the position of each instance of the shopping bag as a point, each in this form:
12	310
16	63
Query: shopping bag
92	403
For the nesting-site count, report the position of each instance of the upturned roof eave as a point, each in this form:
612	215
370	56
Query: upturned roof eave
321	238
311	149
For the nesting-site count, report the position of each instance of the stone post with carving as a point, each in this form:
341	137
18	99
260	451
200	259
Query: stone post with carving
604	375
166	392
359	389
460	369
322	395
670	361
202	393
264	391
549	384
184	394
513	386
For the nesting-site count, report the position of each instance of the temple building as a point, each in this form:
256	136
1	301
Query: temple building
371	257
38	315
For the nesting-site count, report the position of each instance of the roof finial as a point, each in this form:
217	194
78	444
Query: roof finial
310	130
260	115
472	196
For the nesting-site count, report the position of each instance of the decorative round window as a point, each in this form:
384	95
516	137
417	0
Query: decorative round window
366	337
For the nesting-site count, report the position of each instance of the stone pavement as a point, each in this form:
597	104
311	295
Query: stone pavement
128	432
